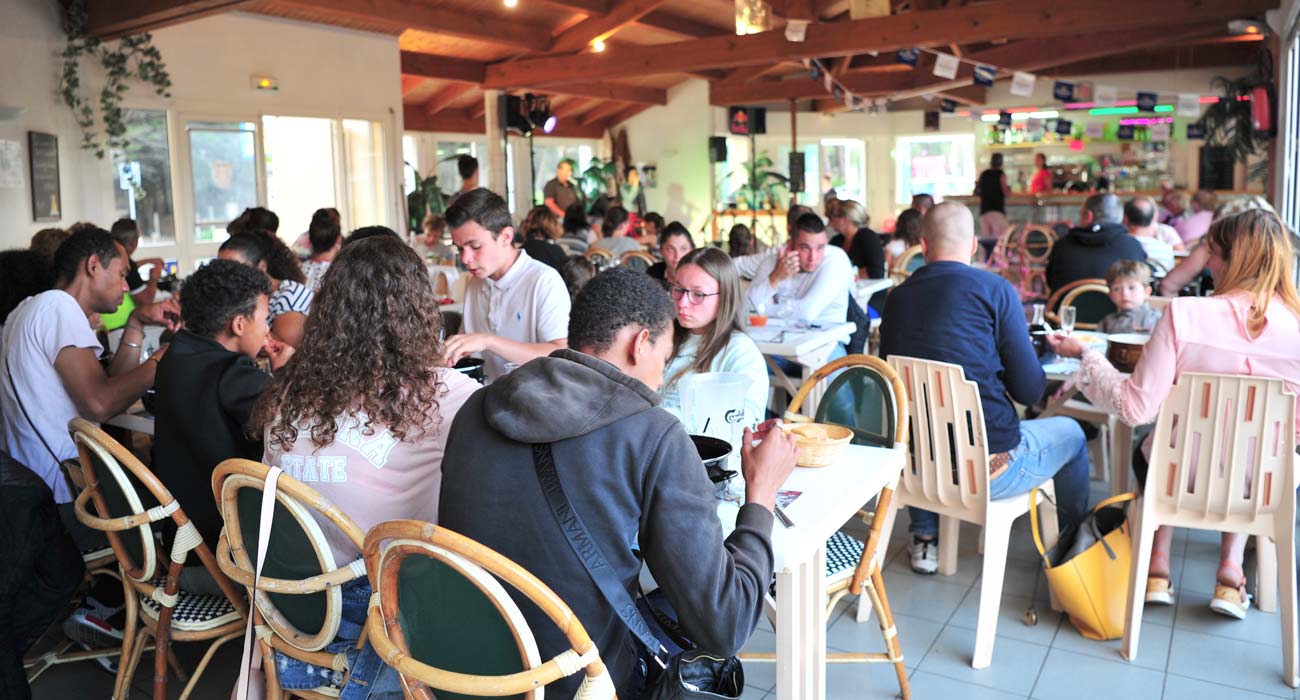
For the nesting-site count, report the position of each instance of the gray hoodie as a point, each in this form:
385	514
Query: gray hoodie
633	476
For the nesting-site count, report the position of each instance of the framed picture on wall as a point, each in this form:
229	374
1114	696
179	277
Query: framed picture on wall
43	162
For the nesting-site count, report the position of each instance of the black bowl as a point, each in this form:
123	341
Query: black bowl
714	453
471	367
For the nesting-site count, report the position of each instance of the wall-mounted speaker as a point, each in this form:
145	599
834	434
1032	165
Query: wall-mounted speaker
796	171
717	149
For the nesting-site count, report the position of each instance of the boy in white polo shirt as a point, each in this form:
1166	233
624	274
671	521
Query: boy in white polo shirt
516	308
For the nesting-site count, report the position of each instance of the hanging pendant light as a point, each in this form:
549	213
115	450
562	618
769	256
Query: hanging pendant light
753	16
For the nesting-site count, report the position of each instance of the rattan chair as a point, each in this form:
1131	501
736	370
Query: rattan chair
155	604
874	415
1090	298
908	261
638	260
600	257
299	594
441	617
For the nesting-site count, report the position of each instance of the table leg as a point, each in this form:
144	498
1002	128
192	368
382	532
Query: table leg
801	630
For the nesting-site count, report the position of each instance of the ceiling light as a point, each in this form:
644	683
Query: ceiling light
511	3
549	125
598	45
1241	27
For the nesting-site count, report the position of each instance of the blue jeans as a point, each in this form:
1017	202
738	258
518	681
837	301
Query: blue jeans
370	677
1052	448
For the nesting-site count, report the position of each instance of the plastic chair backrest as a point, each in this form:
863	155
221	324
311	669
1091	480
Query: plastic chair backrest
1223	448
949	460
117	493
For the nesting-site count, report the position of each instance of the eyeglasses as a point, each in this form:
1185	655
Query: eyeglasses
696	298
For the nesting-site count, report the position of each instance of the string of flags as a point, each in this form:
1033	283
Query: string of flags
947	66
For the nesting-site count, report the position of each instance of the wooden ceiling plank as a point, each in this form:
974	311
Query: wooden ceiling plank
601	112
466	71
623	116
412	15
453	121
681	26
987	21
442	67
446	96
590	7
113	19
603	27
1030	55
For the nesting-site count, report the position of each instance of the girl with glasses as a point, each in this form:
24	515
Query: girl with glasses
708	335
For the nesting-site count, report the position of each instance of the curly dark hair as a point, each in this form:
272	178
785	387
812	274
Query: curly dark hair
254	218
370	347
365	232
257	245
324	230
576	272
218	292
25	273
613	300
78	248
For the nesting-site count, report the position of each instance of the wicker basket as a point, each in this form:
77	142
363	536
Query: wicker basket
820	444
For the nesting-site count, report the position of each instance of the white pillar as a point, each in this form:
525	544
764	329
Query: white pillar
496	150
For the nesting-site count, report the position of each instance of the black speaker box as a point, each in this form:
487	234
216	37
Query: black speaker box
717	149
796	171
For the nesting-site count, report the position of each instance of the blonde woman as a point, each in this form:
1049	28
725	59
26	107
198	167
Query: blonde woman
1250	326
708	335
866	252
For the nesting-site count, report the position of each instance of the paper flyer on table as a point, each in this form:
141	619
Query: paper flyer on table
785	498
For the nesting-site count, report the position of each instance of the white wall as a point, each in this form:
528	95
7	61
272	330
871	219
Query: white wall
322	72
675	138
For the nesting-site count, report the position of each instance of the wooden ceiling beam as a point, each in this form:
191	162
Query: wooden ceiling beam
409	14
601	112
458	122
410	83
465	71
113	19
1028	55
989	21
446	96
602	27
681	26
1163	60
609	91
623	116
589	7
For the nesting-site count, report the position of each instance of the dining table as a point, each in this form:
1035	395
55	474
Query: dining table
807	344
824	498
137	419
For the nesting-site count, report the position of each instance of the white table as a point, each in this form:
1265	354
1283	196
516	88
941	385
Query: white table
810	347
863	290
831	495
135	419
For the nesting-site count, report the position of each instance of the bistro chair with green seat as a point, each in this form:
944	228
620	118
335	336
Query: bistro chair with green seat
299	593
1090	298
441	617
864	394
156	606
601	258
638	260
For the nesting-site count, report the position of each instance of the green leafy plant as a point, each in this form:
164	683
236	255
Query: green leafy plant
1228	122
425	199
597	180
129	57
764	189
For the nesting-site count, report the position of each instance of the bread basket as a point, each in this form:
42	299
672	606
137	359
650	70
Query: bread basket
820	444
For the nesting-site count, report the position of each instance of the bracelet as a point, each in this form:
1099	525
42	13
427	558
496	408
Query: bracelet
131	345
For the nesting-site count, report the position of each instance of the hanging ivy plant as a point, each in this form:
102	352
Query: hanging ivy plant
1228	123
132	56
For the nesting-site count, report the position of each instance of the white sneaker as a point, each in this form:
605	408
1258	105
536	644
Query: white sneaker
925	555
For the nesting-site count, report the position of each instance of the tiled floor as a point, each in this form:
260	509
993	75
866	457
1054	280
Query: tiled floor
1186	652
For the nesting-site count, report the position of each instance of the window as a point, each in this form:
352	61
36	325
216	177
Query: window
299	156
1289	133
223	172
937	165
547	158
843	162
144	178
363	149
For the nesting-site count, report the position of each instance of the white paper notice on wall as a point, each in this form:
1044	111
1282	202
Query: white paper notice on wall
1189	104
1022	84
1094	130
11	165
945	66
1106	96
1159	132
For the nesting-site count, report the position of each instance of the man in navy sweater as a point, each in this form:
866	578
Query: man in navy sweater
948	311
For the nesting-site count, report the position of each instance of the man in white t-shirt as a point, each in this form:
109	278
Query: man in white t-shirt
51	372
516	308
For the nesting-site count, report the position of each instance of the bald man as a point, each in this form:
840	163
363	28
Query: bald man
948	311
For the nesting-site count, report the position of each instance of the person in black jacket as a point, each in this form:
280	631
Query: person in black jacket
1089	249
631	473
206	386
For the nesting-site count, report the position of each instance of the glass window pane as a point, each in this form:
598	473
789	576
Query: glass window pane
363	145
144	180
937	165
299	155
410	160
223	170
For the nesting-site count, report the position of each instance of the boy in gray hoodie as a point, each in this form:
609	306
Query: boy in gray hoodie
629	470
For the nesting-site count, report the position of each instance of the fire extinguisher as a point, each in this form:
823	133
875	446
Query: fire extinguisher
1261	110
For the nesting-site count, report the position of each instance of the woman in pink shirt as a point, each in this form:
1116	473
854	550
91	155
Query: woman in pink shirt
1251	326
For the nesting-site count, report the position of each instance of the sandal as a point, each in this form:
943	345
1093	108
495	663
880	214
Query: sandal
1159	591
1231	601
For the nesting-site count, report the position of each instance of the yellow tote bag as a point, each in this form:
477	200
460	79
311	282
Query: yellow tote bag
1090	576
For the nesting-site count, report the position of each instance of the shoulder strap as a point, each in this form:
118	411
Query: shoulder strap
267	513
588	552
21	407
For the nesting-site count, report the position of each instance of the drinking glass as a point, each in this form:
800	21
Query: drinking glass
1068	314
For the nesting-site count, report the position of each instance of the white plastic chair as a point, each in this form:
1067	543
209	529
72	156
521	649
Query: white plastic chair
1223	458
950	475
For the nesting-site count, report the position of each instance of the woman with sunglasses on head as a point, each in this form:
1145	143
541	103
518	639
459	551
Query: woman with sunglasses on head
708	335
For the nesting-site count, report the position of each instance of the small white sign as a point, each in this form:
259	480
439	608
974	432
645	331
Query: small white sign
11	165
1107	96
945	66
1022	84
1159	132
1189	104
1094	130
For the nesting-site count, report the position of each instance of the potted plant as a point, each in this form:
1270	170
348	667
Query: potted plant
596	180
764	189
425	199
1228	123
